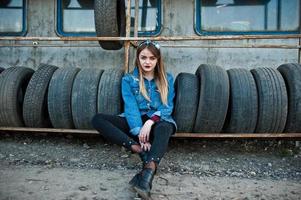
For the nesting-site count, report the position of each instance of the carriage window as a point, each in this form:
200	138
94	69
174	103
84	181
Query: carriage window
149	17
76	17
12	17
247	16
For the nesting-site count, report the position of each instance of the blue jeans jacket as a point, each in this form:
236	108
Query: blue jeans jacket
135	105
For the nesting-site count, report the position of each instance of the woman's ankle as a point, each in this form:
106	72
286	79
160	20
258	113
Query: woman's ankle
152	165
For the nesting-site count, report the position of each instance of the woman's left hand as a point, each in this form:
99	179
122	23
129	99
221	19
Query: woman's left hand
146	146
145	131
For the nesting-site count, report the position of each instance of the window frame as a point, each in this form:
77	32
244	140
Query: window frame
199	31
23	32
60	32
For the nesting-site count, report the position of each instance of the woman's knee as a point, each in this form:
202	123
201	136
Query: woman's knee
96	120
164	129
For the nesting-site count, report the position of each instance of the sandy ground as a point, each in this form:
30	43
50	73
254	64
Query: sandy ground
36	167
59	183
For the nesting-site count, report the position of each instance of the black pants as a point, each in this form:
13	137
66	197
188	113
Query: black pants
116	130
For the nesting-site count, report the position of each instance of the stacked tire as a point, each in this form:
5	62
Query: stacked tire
262	100
66	97
213	100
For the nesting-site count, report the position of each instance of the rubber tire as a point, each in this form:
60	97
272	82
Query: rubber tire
13	83
35	112
153	3
110	22
213	99
209	2
250	2
86	4
4	3
59	97
272	98
292	76
186	101
243	102
65	3
84	97
1	69
109	92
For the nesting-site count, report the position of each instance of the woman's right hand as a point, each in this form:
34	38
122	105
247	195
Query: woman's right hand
145	131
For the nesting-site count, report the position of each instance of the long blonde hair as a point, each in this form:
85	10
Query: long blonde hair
159	75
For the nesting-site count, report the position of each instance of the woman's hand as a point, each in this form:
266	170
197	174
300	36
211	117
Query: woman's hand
145	146
145	131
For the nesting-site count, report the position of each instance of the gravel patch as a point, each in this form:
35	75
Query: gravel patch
275	160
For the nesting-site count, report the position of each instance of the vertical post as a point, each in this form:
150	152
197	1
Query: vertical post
299	50
136	18
127	34
136	21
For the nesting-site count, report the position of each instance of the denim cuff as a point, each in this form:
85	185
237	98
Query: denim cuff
152	158
128	144
135	131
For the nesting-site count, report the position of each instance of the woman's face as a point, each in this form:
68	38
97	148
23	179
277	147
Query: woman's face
148	61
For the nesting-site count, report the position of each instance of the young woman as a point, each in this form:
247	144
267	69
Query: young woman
146	124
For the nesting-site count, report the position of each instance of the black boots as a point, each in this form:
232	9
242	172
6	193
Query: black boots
144	181
143	157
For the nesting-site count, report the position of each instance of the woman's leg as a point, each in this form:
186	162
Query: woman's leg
116	130
160	135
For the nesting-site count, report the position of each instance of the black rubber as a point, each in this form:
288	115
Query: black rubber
291	73
59	97
109	92
243	102
65	3
86	4
4	3
84	97
110	22
13	83
213	99
186	101
35	112
251	2
272	98
1	69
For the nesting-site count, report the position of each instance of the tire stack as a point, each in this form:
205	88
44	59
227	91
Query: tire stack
213	100
262	100
64	97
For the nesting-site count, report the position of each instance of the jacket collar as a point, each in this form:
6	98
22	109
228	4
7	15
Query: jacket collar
136	72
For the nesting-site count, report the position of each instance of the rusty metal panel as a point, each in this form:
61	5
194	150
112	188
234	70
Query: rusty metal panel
180	56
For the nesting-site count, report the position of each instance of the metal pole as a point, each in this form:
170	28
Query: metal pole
128	32
136	18
162	38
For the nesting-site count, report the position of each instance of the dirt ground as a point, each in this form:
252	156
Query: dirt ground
67	167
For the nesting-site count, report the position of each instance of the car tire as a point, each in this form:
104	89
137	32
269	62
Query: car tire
213	99
35	112
292	76
186	101
272	100
110	22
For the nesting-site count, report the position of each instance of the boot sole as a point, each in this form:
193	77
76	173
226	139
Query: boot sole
142	193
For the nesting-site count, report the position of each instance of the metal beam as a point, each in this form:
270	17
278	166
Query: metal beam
295	136
160	38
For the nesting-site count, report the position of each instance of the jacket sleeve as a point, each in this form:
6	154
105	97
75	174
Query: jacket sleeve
131	109
165	111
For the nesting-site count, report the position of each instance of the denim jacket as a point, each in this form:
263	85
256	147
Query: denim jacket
135	105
